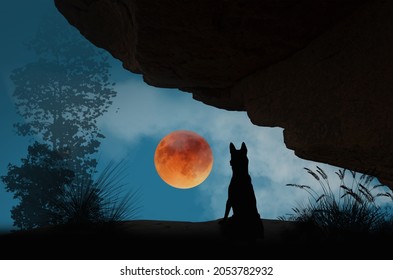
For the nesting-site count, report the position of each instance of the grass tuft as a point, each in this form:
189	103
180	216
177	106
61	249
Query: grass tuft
102	200
349	208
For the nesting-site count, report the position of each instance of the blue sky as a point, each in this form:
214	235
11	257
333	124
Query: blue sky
140	116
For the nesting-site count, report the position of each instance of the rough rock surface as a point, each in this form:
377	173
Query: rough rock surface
320	69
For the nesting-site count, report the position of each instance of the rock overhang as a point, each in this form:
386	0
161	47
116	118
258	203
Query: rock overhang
320	69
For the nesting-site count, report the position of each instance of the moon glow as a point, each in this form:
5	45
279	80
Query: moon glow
183	159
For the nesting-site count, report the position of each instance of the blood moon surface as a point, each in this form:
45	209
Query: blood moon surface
183	159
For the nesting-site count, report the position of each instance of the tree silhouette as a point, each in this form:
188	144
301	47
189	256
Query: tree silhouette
38	183
60	97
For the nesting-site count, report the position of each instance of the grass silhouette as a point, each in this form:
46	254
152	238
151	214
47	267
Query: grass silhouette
351	208
102	200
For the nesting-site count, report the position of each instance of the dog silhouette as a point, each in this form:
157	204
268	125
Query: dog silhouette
245	221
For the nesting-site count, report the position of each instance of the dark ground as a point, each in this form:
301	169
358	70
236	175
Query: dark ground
154	240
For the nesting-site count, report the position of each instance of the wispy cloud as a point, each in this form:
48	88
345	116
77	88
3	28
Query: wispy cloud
143	111
140	110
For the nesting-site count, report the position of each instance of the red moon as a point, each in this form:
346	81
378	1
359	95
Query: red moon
183	159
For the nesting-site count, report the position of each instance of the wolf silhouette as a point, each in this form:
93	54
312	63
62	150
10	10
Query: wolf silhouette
245	221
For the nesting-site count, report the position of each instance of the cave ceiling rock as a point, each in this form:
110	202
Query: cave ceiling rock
320	69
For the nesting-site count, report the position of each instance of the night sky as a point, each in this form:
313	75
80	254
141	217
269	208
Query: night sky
139	118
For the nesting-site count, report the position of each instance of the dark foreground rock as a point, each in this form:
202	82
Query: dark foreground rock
152	240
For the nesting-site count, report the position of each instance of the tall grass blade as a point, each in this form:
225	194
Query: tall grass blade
312	173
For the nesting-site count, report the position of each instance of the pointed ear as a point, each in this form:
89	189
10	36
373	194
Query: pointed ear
244	148
232	147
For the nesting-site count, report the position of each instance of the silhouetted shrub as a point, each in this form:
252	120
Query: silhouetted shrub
352	208
101	200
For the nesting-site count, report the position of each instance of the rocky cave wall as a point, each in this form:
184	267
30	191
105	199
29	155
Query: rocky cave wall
320	69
